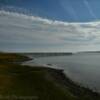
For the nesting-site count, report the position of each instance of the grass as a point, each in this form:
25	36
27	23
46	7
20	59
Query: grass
12	57
38	82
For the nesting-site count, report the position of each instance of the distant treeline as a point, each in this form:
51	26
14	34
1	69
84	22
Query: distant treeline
50	54
89	52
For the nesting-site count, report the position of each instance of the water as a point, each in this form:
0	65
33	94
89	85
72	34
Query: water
82	68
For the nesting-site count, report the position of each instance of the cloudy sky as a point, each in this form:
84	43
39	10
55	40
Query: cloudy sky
49	25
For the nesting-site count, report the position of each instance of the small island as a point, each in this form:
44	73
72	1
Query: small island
21	82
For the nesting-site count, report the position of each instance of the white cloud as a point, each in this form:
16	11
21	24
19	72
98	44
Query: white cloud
24	32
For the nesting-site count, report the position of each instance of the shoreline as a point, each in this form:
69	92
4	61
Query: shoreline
59	76
82	82
62	77
43	82
58	70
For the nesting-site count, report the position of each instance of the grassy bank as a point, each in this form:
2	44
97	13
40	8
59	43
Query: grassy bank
12	58
37	83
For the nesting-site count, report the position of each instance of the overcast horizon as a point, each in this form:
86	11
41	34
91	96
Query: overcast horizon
49	25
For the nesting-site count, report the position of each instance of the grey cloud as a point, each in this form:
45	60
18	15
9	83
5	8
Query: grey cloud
23	32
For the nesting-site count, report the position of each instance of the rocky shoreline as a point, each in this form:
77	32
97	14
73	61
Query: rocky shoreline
64	82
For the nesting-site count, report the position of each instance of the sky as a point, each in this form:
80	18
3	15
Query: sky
49	25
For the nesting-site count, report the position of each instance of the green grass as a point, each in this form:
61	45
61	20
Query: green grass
40	82
25	81
12	57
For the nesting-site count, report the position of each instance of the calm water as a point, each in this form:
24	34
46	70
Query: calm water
82	68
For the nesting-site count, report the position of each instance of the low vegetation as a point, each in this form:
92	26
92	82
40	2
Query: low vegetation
12	58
